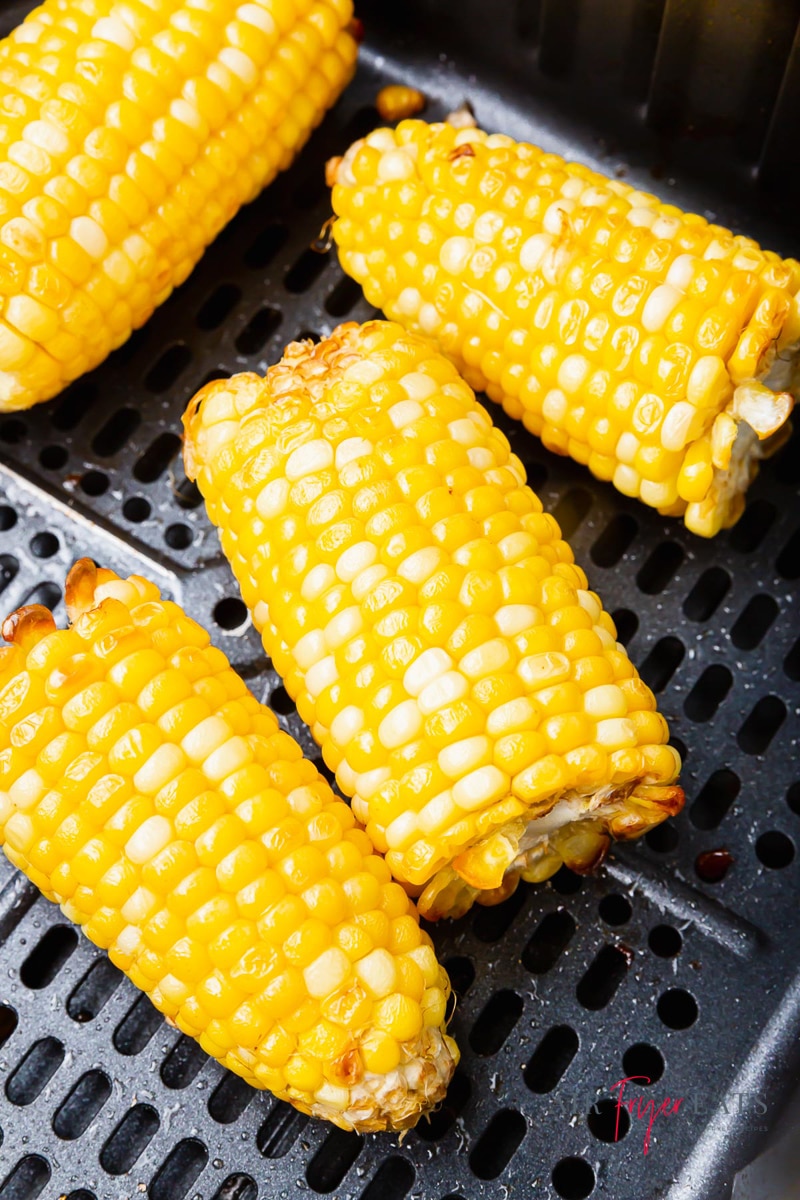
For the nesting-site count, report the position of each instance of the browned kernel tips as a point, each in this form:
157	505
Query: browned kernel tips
80	586
28	624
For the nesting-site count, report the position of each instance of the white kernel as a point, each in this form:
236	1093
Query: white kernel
465	432
455	254
127	942
681	271
400	725
464	756
331	1096
481	458
355	559
665	227
572	372
532	251
589	603
205	738
420	565
627	447
47	137
321	676
573	187
429	318
367	580
418	386
382	139
310	458
438	813
556	217
112	29
659	305
261	614
230	757
378	972
327	972
163	765
138	907
616	733
675	430
543	670
408	302
89	236
556	262
627	480
445	690
488	226
318	580
659	495
429	666
606	700
272	499
594	197
239	64
405	412
512	716
27	790
641	216
555	406
254	14
152	836
350	449
345	775
402	831
489	658
481	788
347	724
345	625
395	166
368	782
514	618
310	649
364	370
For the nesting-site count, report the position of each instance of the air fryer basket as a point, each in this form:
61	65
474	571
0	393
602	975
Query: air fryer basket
649	968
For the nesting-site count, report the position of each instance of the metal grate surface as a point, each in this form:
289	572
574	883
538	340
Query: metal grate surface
651	968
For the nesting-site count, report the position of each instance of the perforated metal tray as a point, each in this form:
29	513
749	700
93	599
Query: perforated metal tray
567	987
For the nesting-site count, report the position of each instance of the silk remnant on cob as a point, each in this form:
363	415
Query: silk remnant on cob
131	134
642	341
146	791
430	623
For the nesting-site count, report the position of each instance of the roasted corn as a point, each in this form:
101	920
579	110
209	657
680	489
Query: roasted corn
429	621
146	791
131	132
644	342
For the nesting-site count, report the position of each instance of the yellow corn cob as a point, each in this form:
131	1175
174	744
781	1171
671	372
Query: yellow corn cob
428	620
147	792
640	340
131	132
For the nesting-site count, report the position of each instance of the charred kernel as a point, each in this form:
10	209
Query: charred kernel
459	674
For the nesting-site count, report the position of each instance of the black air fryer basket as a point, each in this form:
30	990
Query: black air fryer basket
649	968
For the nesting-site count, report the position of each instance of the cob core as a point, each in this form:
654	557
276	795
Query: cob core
428	619
132	131
146	791
642	341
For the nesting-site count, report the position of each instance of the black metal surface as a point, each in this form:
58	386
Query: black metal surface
564	989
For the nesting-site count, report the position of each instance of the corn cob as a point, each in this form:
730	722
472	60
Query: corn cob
147	792
428	620
132	131
642	341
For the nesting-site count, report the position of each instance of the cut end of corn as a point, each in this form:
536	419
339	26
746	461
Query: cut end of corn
428	619
131	135
146	791
636	338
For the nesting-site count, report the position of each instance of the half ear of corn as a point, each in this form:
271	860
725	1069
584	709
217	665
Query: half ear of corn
642	341
147	792
428	620
130	135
